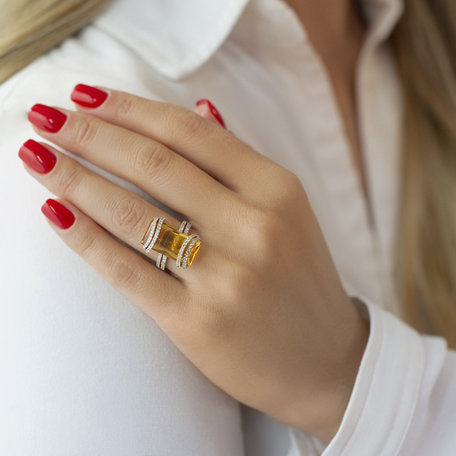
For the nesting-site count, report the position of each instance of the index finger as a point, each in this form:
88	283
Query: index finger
210	146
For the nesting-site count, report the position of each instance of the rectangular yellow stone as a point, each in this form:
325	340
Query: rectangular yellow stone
170	241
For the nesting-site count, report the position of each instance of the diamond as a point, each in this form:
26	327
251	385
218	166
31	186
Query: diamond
182	249
157	232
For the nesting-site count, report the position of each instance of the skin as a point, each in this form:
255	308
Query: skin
262	315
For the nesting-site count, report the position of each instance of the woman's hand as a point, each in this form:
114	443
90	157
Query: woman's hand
261	311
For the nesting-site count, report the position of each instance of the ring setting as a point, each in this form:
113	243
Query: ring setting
177	244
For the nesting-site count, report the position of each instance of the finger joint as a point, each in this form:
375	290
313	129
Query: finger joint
124	275
185	125
69	181
128	215
86	132
124	109
151	161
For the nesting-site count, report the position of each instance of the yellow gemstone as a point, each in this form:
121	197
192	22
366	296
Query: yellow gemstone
169	242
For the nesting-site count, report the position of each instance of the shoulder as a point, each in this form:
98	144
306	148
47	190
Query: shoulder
136	45
90	57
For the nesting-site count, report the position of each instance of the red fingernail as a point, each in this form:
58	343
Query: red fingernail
213	110
46	118
88	96
57	213
37	156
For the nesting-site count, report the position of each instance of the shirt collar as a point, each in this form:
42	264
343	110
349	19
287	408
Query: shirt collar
173	36
176	37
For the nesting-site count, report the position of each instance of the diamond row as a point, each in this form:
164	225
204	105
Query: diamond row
182	249
161	261
185	226
151	232
159	222
189	249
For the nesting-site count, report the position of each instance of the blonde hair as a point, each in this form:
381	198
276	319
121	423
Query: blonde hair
425	46
29	28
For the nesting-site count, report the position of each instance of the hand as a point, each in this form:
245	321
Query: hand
261	311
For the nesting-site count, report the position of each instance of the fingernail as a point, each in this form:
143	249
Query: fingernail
213	110
46	118
88	96
37	156
57	213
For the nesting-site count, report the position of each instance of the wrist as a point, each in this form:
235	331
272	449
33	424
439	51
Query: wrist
322	415
343	388
340	389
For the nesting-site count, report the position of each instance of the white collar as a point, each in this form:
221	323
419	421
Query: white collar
175	37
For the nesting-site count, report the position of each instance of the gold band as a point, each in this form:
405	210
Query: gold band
164	239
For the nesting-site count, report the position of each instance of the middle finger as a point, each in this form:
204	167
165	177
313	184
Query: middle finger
165	175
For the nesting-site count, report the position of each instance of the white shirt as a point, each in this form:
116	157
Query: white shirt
86	372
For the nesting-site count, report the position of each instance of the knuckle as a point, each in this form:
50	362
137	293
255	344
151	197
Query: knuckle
86	131
185	123
290	192
87	245
192	122
127	214
124	108
124	274
69	180
292	183
151	161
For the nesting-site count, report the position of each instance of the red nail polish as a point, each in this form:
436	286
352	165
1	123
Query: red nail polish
213	110
46	118
57	213
88	96
37	156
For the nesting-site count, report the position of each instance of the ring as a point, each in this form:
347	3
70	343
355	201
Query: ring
161	259
167	241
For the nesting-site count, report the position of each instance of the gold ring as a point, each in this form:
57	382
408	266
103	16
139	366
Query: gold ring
167	241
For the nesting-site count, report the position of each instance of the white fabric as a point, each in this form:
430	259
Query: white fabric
83	370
